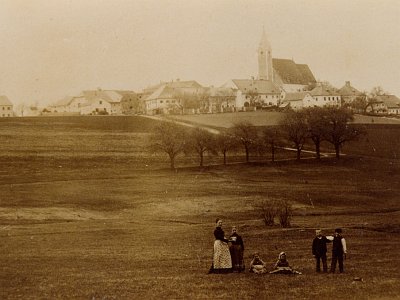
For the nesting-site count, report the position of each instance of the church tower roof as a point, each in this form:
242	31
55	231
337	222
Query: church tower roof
264	43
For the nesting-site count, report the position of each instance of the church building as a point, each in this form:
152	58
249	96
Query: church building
276	77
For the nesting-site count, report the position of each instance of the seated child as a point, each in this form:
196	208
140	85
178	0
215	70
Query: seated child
282	266
257	265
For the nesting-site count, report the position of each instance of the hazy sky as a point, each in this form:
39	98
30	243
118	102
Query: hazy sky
53	48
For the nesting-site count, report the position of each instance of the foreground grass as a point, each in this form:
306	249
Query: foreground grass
123	238
114	224
115	259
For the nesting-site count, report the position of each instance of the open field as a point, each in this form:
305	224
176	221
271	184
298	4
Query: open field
86	212
265	118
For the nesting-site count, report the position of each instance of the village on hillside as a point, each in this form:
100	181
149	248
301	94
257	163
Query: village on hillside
281	84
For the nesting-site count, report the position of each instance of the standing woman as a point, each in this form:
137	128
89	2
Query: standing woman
236	248
222	258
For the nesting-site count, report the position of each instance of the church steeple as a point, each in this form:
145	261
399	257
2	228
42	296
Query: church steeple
264	59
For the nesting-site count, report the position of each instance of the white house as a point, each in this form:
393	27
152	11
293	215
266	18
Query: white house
389	104
219	99
323	96
296	101
6	107
64	106
377	107
90	102
256	93
165	97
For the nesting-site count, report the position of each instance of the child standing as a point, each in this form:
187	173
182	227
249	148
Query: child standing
319	250
339	250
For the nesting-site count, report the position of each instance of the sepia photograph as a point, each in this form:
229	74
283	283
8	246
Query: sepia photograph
171	149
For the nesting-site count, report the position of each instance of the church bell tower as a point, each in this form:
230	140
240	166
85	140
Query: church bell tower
265	59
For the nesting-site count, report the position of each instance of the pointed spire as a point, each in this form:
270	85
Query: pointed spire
264	44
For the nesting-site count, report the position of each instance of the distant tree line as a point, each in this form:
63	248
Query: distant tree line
330	124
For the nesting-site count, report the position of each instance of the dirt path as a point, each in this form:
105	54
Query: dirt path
215	131
211	130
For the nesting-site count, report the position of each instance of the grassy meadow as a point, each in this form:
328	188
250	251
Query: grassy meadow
265	118
87	212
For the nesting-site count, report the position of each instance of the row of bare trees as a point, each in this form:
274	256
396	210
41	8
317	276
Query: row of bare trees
332	125
319	124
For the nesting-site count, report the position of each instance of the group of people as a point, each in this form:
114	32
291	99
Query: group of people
339	250
228	254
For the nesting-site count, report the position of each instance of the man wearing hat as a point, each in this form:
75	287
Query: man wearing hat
339	250
319	250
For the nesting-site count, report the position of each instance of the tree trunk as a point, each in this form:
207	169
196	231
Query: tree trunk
272	152
298	153
317	149
224	158
172	163
201	159
337	151
247	154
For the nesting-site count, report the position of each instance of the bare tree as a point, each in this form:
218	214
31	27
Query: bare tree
201	141
338	130
295	127
317	123
377	91
372	97
189	100
254	98
272	137
360	104
169	138
225	142
246	134
21	109
269	210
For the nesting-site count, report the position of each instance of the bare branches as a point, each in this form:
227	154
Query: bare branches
246	134
169	138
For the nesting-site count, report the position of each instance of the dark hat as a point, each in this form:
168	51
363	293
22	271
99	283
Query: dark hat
338	230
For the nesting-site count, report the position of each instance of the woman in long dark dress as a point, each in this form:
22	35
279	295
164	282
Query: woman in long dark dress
222	262
236	249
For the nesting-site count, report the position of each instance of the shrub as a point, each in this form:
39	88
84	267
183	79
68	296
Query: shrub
269	210
285	212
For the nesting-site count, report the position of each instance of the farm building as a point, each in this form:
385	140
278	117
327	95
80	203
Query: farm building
90	102
169	97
